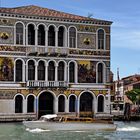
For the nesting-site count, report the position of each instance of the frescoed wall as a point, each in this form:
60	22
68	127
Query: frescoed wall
86	72
6	69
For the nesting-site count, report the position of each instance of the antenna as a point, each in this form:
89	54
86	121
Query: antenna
118	76
118	81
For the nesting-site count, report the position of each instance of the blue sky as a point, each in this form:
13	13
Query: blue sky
125	14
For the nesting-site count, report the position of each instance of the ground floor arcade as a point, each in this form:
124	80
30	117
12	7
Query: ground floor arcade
48	102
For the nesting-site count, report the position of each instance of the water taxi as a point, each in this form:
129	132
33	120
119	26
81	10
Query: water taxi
54	123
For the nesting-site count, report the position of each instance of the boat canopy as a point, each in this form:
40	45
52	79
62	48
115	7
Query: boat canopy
50	116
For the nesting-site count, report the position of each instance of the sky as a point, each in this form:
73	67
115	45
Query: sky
125	30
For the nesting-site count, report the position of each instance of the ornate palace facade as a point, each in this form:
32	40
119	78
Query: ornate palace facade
53	62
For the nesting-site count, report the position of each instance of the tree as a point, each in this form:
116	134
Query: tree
133	95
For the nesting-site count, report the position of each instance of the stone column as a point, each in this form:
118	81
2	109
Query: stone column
23	73
46	72
56	37
15	72
77	106
76	73
36	107
66	73
66	105
56	105
36	72
36	36
26	68
26	33
56	73
65	38
24	106
95	105
46	37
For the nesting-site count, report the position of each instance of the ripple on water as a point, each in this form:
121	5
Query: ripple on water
36	130
128	129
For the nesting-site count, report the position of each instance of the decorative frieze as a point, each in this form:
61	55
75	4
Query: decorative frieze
13	48
86	28
7	94
7	22
89	52
81	41
6	36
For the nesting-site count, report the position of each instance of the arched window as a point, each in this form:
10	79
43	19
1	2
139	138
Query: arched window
41	35
41	71
100	73
61	103
31	34
51	71
31	70
72	103
18	71
30	104
71	72
72	37
61	36
61	71
100	39
100	103
18	104
19	33
51	36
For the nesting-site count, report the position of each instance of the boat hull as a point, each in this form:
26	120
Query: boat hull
70	126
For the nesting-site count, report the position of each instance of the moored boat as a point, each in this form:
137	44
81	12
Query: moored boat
54	123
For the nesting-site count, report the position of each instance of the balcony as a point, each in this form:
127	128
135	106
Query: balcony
51	84
52	51
47	51
89	52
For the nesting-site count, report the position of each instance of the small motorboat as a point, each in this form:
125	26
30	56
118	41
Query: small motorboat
55	123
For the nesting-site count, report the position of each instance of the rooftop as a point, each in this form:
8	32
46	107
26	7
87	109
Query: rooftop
33	10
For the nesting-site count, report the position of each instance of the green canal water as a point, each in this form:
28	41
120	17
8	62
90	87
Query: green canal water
16	131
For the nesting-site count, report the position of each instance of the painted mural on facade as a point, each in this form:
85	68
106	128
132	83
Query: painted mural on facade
86	72
6	69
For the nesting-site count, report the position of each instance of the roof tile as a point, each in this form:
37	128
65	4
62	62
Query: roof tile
40	11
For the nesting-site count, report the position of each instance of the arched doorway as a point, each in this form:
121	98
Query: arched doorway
18	104
61	103
46	101
86	102
100	103
30	104
72	101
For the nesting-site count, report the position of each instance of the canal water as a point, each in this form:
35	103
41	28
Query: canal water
16	131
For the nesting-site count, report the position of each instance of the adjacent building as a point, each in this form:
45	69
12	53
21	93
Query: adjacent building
53	62
122	86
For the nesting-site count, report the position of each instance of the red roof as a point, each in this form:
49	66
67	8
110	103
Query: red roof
32	10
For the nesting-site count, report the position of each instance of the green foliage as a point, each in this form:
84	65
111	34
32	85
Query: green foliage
133	95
